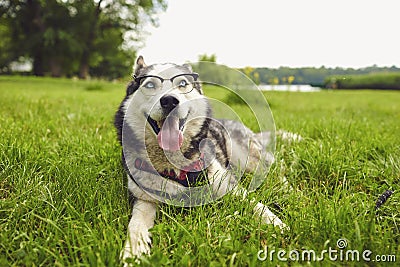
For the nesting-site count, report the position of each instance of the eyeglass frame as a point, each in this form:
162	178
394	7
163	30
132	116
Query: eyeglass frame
140	78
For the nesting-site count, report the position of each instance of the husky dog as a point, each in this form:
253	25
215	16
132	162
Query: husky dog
171	143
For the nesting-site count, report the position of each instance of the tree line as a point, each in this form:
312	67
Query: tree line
377	80
308	75
372	77
75	37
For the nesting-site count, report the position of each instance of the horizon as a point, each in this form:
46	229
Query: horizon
320	67
26	66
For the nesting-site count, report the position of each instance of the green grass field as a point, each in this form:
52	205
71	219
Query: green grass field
63	198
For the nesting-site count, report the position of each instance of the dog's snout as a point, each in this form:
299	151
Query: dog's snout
169	102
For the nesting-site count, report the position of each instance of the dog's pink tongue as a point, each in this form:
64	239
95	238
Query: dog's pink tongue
170	137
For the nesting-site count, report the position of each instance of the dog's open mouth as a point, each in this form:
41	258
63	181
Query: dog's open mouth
169	131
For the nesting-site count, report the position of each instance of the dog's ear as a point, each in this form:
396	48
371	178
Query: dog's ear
139	65
188	66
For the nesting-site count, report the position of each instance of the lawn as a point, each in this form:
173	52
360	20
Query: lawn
63	198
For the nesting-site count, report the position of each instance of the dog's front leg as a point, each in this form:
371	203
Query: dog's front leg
138	238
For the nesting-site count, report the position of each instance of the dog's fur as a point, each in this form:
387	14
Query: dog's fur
224	143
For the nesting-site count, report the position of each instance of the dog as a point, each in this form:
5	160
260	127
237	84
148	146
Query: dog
172	146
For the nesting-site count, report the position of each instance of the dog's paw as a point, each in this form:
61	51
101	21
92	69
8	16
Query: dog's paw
276	222
269	218
137	245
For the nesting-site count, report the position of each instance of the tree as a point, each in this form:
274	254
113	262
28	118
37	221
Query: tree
40	30
208	58
210	72
6	56
65	37
102	25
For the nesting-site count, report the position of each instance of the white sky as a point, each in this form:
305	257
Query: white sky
273	33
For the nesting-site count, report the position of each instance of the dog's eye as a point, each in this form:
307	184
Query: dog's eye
150	85
182	83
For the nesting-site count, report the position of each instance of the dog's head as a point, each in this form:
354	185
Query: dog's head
168	103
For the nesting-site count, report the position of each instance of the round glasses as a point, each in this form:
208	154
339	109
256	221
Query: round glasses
152	84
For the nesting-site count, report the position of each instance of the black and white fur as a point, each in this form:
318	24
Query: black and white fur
242	145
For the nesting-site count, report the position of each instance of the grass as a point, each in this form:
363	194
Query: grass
63	198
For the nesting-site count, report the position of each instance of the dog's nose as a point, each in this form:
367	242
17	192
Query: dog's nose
168	103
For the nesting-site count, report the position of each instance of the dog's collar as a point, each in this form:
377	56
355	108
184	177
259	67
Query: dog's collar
188	175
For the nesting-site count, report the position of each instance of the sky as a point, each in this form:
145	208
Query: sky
273	33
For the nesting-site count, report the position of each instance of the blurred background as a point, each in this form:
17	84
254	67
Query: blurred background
332	44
